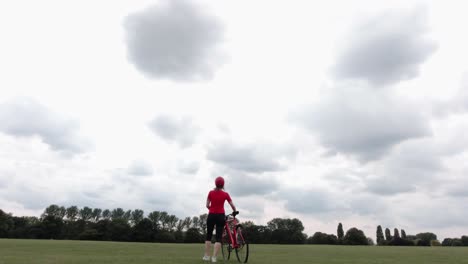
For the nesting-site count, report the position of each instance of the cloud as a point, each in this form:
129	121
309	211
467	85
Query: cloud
366	204
416	165
140	168
240	184
174	40
443	212
180	130
4	175
33	198
188	167
308	201
25	117
458	190
387	49
357	121
254	158
458	104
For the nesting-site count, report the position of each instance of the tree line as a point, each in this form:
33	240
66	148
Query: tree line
420	239
73	223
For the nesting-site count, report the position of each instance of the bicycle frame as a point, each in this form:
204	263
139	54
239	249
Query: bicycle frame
231	233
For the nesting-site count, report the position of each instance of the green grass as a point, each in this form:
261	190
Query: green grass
85	252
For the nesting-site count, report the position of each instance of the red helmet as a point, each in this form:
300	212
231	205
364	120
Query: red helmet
219	182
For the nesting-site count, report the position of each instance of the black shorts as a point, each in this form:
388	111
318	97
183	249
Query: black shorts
213	220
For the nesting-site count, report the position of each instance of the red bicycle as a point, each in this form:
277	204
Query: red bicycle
234	239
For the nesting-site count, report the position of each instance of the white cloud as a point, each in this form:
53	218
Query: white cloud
180	130
361	122
256	157
140	168
25	117
387	48
175	40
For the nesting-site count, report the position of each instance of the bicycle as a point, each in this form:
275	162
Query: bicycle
234	239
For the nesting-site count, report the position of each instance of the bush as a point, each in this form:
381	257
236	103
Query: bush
425	239
355	236
422	243
435	243
165	237
398	241
89	234
457	243
193	236
320	238
464	240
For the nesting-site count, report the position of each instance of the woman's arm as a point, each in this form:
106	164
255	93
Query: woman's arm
208	203
232	206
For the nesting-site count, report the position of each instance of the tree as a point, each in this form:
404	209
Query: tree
119	230
355	236
202	223
127	215
96	215
320	238
89	234
154	218
172	222
180	225
447	242
137	216
72	213
396	234
380	236
257	234
117	213
388	235
106	214
52	226
195	222
340	232
62	212
464	241
187	222
403	234
193	236
452	242
86	213
143	231
6	223
425	238
53	210
164	220
287	231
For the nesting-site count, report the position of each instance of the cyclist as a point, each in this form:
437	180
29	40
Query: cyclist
216	217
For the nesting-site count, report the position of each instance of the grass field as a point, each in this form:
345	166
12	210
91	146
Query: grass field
85	252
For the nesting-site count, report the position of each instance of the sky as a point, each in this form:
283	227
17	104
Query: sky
326	111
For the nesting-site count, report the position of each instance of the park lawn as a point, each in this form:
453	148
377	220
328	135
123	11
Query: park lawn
85	252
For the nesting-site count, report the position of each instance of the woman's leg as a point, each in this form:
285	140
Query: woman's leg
217	247
210	224
220	221
208	248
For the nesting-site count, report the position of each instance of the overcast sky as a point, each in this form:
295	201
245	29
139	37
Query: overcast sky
329	111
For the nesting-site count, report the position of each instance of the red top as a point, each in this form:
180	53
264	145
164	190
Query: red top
217	198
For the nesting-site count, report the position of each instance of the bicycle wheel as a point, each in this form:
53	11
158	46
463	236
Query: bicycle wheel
242	252
226	247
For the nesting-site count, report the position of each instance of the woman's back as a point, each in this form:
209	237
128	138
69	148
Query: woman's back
217	198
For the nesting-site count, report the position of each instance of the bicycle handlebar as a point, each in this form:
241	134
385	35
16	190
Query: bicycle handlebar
233	214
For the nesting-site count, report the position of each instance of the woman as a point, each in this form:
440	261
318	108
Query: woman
216	217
